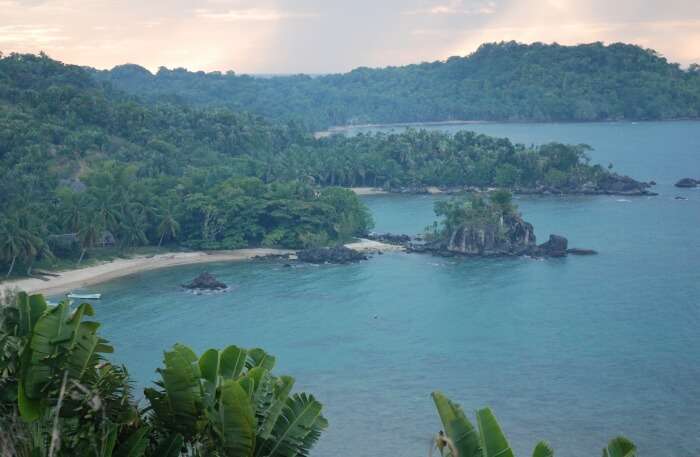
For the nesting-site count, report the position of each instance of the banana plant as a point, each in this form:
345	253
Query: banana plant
59	341
228	401
488	439
61	385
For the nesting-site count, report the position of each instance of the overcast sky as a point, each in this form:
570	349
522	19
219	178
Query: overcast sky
321	36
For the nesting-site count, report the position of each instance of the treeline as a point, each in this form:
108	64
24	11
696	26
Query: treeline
505	81
80	158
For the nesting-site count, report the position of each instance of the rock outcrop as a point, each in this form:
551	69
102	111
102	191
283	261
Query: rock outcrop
514	237
611	184
390	238
556	246
205	281
688	182
337	254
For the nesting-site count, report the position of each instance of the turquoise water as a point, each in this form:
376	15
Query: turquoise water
574	351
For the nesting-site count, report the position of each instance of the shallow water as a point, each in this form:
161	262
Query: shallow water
574	351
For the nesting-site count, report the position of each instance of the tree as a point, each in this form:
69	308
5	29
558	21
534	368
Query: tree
89	235
18	241
503	200
168	226
12	244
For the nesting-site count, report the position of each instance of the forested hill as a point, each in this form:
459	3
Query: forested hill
500	81
78	157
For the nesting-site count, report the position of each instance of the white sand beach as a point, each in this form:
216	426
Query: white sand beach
83	277
368	191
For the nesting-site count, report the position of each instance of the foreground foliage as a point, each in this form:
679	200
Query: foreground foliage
461	439
60	397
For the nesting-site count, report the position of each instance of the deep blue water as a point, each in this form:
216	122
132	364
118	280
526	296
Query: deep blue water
574	351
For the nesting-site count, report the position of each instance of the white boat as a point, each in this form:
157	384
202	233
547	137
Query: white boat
77	296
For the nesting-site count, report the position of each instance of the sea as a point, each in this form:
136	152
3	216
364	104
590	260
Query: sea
574	351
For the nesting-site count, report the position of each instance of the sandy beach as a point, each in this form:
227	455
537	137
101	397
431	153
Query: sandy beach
83	277
368	191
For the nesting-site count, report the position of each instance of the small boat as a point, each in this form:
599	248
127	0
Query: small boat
77	296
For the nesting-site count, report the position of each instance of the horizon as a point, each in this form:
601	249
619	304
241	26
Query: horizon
280	37
154	71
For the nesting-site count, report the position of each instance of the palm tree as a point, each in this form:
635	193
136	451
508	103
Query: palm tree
132	227
168	227
19	241
10	244
89	235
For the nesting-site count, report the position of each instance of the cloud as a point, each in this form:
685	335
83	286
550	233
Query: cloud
454	7
250	14
30	34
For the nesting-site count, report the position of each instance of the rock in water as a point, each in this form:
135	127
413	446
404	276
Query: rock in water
579	251
337	254
556	246
513	236
205	281
688	182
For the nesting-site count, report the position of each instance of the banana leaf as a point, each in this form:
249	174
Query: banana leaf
493	441
234	420
457	427
620	447
181	383
297	427
55	329
259	358
543	449
135	445
282	387
232	362
169	447
31	307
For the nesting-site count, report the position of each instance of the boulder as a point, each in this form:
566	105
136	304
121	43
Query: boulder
337	254
688	182
622	185
205	281
556	246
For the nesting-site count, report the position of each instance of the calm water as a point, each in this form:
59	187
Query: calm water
572	350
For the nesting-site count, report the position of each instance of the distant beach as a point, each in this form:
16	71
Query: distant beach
368	191
83	277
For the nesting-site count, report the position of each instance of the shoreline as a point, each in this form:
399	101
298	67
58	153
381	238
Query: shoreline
68	280
337	129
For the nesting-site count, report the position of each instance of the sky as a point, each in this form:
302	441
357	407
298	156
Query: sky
324	36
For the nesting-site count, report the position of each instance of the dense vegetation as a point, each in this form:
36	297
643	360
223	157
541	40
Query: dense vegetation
473	211
77	158
61	397
84	165
500	81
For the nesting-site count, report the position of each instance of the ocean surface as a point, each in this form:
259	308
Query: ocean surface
574	351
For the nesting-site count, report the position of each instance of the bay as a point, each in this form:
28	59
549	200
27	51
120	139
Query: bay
574	351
